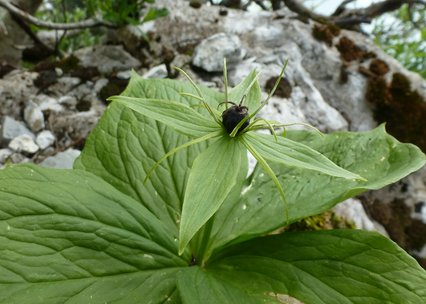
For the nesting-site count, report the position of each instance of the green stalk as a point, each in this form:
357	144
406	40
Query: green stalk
199	93
272	91
238	126
203	241
191	95
185	145
268	126
268	171
225	80
217	113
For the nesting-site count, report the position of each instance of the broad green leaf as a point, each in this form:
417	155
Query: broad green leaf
201	241
197	285
172	90
249	87
212	176
320	267
291	153
177	115
68	236
125	145
375	155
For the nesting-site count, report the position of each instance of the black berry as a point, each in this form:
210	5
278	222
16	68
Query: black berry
232	116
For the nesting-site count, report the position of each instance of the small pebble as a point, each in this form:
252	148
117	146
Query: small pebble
12	128
159	71
45	139
18	158
68	101
23	143
34	117
62	160
5	154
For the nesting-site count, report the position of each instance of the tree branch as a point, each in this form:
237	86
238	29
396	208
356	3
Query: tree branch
89	23
297	7
377	9
350	17
341	8
261	5
25	27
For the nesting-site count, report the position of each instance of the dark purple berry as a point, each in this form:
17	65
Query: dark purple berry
232	116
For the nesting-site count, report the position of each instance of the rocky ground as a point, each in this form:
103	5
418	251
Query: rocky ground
335	80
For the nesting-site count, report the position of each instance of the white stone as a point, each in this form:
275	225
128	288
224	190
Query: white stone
76	125
34	117
12	128
100	83
4	154
18	158
45	139
59	72
23	143
106	58
69	101
16	88
50	37
62	160
352	210
124	74
65	84
48	104
209	54
159	71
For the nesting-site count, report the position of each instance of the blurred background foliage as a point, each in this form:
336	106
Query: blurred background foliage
118	12
402	35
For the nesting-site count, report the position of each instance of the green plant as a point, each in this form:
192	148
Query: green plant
123	11
99	234
232	136
117	12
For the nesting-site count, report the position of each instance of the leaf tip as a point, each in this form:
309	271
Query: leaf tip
361	179
182	246
133	73
112	98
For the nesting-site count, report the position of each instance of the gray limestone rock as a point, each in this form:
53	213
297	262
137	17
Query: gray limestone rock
18	158
159	71
23	144
74	126
106	58
209	54
68	101
62	160
64	85
5	154
11	128
48	104
352	210
45	139
34	117
100	83
16	88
